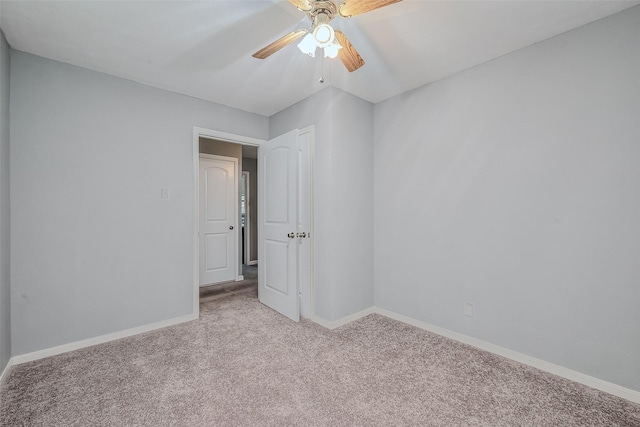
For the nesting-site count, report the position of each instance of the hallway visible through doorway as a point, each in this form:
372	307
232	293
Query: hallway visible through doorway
247	287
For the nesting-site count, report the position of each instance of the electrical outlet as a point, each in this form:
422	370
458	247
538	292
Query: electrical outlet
468	309
164	193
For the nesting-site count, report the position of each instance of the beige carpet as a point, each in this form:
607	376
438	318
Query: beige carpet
243	364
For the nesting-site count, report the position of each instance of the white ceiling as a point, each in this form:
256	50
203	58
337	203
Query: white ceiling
203	48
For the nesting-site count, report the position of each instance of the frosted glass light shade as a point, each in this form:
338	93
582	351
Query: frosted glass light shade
308	45
331	51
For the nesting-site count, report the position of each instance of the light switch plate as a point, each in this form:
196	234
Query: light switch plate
468	309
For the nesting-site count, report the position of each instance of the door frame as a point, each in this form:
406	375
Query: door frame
247	219
199	132
310	130
236	203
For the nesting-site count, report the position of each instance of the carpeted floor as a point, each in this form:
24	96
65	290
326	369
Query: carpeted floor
242	364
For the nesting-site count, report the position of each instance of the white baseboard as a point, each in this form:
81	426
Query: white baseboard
5	371
240	278
254	262
347	319
64	348
579	377
608	387
561	371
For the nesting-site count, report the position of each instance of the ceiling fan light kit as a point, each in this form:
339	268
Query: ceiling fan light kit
321	34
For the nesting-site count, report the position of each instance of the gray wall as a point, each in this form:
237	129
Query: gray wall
343	197
514	185
5	288
94	248
251	166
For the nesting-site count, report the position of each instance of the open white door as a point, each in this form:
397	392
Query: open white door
278	221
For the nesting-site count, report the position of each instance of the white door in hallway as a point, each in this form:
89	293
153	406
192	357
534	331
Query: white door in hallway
278	163
218	214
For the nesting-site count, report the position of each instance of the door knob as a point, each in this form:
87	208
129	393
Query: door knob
302	235
231	227
291	235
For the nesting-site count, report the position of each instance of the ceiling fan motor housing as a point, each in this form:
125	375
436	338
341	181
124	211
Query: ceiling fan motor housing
322	12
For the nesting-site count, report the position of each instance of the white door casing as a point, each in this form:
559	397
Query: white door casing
278	176
304	221
218	217
247	218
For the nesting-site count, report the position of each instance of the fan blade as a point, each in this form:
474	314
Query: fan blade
348	54
279	44
303	5
357	7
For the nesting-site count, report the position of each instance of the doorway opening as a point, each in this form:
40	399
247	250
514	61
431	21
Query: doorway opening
297	278
228	245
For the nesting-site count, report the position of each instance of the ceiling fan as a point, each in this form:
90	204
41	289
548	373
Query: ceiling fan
321	34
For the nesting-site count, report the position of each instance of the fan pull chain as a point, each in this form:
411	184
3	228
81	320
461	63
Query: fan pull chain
321	79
